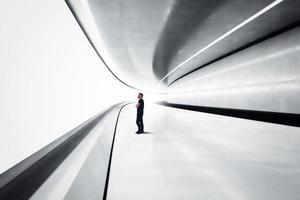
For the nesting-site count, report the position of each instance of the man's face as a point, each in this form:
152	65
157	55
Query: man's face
139	96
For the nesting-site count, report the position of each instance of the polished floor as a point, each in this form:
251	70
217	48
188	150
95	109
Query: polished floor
193	155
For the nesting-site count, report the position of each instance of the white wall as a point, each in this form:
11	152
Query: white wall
263	77
51	80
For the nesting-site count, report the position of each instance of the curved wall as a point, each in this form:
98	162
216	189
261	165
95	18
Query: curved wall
263	77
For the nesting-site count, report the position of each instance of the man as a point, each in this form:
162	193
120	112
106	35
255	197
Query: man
139	114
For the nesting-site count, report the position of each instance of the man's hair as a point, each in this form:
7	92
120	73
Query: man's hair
141	94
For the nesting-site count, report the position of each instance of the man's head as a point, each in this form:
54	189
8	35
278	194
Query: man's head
140	96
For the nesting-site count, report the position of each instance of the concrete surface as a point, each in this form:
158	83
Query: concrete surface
192	155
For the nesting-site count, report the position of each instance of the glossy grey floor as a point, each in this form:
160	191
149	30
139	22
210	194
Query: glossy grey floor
192	155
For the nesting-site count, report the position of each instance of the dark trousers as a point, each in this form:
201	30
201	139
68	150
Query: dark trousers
139	122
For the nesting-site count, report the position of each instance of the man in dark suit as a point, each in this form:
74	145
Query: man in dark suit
139	115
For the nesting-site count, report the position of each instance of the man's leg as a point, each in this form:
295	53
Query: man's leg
138	122
142	124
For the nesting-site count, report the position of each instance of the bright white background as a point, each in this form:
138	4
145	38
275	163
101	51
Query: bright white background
51	80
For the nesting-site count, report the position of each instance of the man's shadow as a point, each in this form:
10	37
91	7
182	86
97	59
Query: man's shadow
147	132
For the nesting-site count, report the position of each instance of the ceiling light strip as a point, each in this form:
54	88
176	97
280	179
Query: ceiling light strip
224	36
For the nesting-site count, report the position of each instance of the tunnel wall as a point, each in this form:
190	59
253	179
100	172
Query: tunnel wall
263	77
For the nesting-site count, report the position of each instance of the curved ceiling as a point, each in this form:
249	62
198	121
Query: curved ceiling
144	43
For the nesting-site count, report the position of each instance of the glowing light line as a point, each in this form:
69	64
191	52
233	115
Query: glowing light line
224	36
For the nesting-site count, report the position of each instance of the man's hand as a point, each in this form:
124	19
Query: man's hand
137	105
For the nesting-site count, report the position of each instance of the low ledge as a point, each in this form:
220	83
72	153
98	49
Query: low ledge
24	179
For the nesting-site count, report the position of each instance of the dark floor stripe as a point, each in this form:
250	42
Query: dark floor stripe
110	157
289	119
